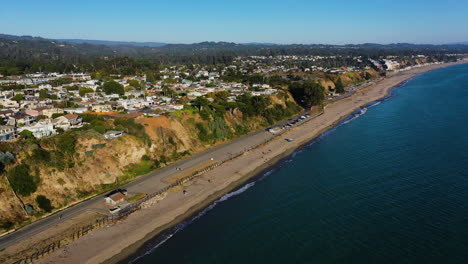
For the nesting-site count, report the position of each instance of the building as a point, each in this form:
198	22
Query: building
116	197
40	129
101	108
20	118
74	119
113	134
50	111
7	133
67	122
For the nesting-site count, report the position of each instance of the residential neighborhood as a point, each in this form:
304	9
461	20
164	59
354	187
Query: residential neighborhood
47	104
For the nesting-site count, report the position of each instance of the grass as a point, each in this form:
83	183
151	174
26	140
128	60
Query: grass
184	112
134	170
136	197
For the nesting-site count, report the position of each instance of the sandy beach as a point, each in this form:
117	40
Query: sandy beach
116	242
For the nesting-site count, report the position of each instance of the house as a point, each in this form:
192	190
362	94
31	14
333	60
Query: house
113	134
79	110
7	103
74	119
67	122
7	133
40	129
61	122
20	118
6	113
116	197
32	112
50	111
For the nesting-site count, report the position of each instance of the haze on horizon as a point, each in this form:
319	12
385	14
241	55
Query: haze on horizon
242	21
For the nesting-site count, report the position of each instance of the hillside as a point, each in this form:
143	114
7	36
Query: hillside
79	163
16	49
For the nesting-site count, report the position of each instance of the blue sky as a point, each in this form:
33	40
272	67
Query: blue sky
287	21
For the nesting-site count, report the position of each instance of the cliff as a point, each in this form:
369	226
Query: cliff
77	164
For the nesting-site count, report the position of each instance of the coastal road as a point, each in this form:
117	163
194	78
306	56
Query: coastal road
148	183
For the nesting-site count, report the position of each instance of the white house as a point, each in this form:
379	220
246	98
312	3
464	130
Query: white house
7	133
40	129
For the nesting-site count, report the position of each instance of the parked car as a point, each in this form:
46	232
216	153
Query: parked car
114	210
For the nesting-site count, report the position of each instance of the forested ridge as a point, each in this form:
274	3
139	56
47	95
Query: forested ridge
31	54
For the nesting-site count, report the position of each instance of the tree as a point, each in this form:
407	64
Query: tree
43	93
368	76
314	94
134	83
201	102
339	87
21	180
113	87
18	98
84	91
26	134
44	203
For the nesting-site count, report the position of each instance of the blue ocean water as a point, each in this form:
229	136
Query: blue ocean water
390	186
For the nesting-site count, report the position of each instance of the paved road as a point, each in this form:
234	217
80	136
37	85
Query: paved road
148	183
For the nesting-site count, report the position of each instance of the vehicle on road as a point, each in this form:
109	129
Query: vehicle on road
114	210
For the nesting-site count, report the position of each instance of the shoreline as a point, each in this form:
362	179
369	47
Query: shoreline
242	171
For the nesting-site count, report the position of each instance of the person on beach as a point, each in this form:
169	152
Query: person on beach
184	192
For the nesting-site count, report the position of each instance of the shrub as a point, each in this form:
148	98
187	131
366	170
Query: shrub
7	225
156	164
66	143
26	134
21	180
44	203
113	87
57	115
6	157
40	155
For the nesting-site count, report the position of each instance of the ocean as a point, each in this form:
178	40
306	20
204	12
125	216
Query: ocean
388	185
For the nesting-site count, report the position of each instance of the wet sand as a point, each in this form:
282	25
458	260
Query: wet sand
116	242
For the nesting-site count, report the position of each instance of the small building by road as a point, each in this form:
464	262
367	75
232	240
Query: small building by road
116	197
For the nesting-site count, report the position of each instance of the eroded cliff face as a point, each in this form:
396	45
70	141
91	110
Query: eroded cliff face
98	164
348	79
11	210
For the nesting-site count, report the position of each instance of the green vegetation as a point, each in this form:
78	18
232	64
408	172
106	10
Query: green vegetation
40	155
6	225
339	87
131	127
308	93
215	128
22	182
135	170
84	91
66	143
44	203
26	134
113	87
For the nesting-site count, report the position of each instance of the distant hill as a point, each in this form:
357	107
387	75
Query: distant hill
30	53
113	43
460	43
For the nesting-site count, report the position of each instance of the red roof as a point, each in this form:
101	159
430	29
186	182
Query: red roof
71	116
117	196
